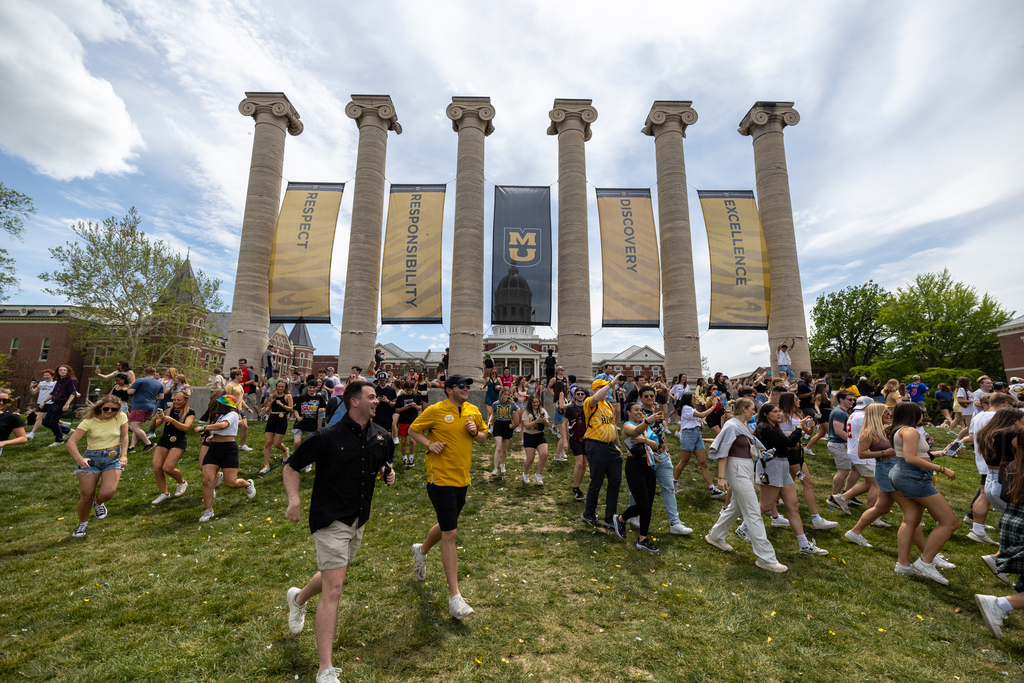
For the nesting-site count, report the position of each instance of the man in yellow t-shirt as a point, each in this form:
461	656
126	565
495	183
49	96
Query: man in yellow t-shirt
453	425
601	445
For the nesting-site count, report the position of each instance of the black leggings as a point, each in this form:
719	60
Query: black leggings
640	477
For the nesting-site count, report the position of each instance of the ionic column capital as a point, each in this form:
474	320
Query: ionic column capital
374	110
669	115
275	103
765	116
471	111
572	115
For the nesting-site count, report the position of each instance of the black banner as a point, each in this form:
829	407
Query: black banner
521	262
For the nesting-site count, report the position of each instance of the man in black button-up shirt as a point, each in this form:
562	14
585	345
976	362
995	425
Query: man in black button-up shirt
348	455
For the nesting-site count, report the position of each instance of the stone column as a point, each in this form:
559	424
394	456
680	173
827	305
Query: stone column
764	123
250	305
375	115
570	121
471	119
667	122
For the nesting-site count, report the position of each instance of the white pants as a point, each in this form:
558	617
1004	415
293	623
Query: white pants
739	472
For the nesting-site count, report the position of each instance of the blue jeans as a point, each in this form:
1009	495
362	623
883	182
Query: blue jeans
786	369
663	473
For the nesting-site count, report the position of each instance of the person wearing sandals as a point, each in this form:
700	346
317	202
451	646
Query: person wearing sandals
534	420
172	444
106	430
732	449
222	453
1010	559
774	475
278	407
639	469
912	476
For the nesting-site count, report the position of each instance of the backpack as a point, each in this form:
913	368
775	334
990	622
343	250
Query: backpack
577	427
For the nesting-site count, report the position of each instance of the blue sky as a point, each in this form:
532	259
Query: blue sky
908	157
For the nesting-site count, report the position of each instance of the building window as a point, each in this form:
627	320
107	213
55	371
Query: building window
15	343
44	351
206	360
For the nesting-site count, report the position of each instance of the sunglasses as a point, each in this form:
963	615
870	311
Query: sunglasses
109	409
461	385
4	400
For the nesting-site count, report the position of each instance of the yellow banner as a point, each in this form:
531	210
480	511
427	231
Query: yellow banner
630	262
410	276
740	278
300	262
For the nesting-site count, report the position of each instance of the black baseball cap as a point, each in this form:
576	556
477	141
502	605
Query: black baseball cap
457	379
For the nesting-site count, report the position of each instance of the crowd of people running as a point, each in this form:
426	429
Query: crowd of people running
749	439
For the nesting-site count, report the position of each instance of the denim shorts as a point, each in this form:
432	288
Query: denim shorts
882	468
101	461
557	418
690	439
912	481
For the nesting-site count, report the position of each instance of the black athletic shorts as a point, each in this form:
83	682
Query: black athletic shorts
533	440
276	424
503	429
715	419
223	454
165	442
795	457
576	447
448	502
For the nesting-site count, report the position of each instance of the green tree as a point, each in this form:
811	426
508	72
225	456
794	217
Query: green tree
845	327
937	322
14	208
133	297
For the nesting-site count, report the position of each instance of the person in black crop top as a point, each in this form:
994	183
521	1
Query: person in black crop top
277	408
177	420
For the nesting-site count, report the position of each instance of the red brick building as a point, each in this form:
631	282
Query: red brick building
1011	341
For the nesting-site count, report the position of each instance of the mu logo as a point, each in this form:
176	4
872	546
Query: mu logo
522	246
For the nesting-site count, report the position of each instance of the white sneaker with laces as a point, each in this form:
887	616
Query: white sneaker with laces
526	478
220	479
981	538
721	545
539	480
161	498
309	468
813	549
296	612
880	524
79	532
458	608
808	451
501	468
250	490
930	571
494	472
56	443
397	441
244	447
265	469
909	570
942	563
206	516
991	614
31	435
856	538
821	524
180	489
775	567
328	675
990	562
680	529
780	521
419	562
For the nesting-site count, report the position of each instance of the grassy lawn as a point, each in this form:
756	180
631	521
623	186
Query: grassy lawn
151	594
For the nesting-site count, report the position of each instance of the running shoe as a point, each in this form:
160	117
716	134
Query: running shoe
721	545
776	567
647	545
991	614
500	467
206	516
908	570
620	527
494	472
265	469
881	524
309	468
969	521
180	489
821	524
328	675
942	563
716	492
680	529
578	494
539	480
742	534
148	447
856	502
591	520
250	490
990	562
526	478
296	612
930	571
675	486
100	510
397	441
813	549
419	562
458	608
839	502
31	435
161	498
287	455
780	521
79	532
220	479
981	538
56	443
808	451
856	538
244	447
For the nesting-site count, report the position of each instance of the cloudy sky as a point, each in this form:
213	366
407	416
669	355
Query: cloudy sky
908	157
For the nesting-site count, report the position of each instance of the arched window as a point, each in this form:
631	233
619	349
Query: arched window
206	360
44	351
15	343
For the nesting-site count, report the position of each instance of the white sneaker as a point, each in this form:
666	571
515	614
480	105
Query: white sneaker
501	468
771	566
100	510
981	538
635	521
721	545
909	570
840	503
991	614
780	521
296	612
329	675
880	524
990	562
539	480
56	443
161	498
250	490
856	538
930	571
458	608
808	451
309	468
397	441
419	562
526	478
942	563
220	479
31	435
265	469
79	532
813	549
821	524
244	447
180	489
206	516
680	529
494	472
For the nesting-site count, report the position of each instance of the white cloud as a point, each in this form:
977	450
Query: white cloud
56	115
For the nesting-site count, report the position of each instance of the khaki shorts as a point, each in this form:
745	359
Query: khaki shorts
866	470
337	545
840	456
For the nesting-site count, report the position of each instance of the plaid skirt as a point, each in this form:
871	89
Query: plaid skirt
1011	543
